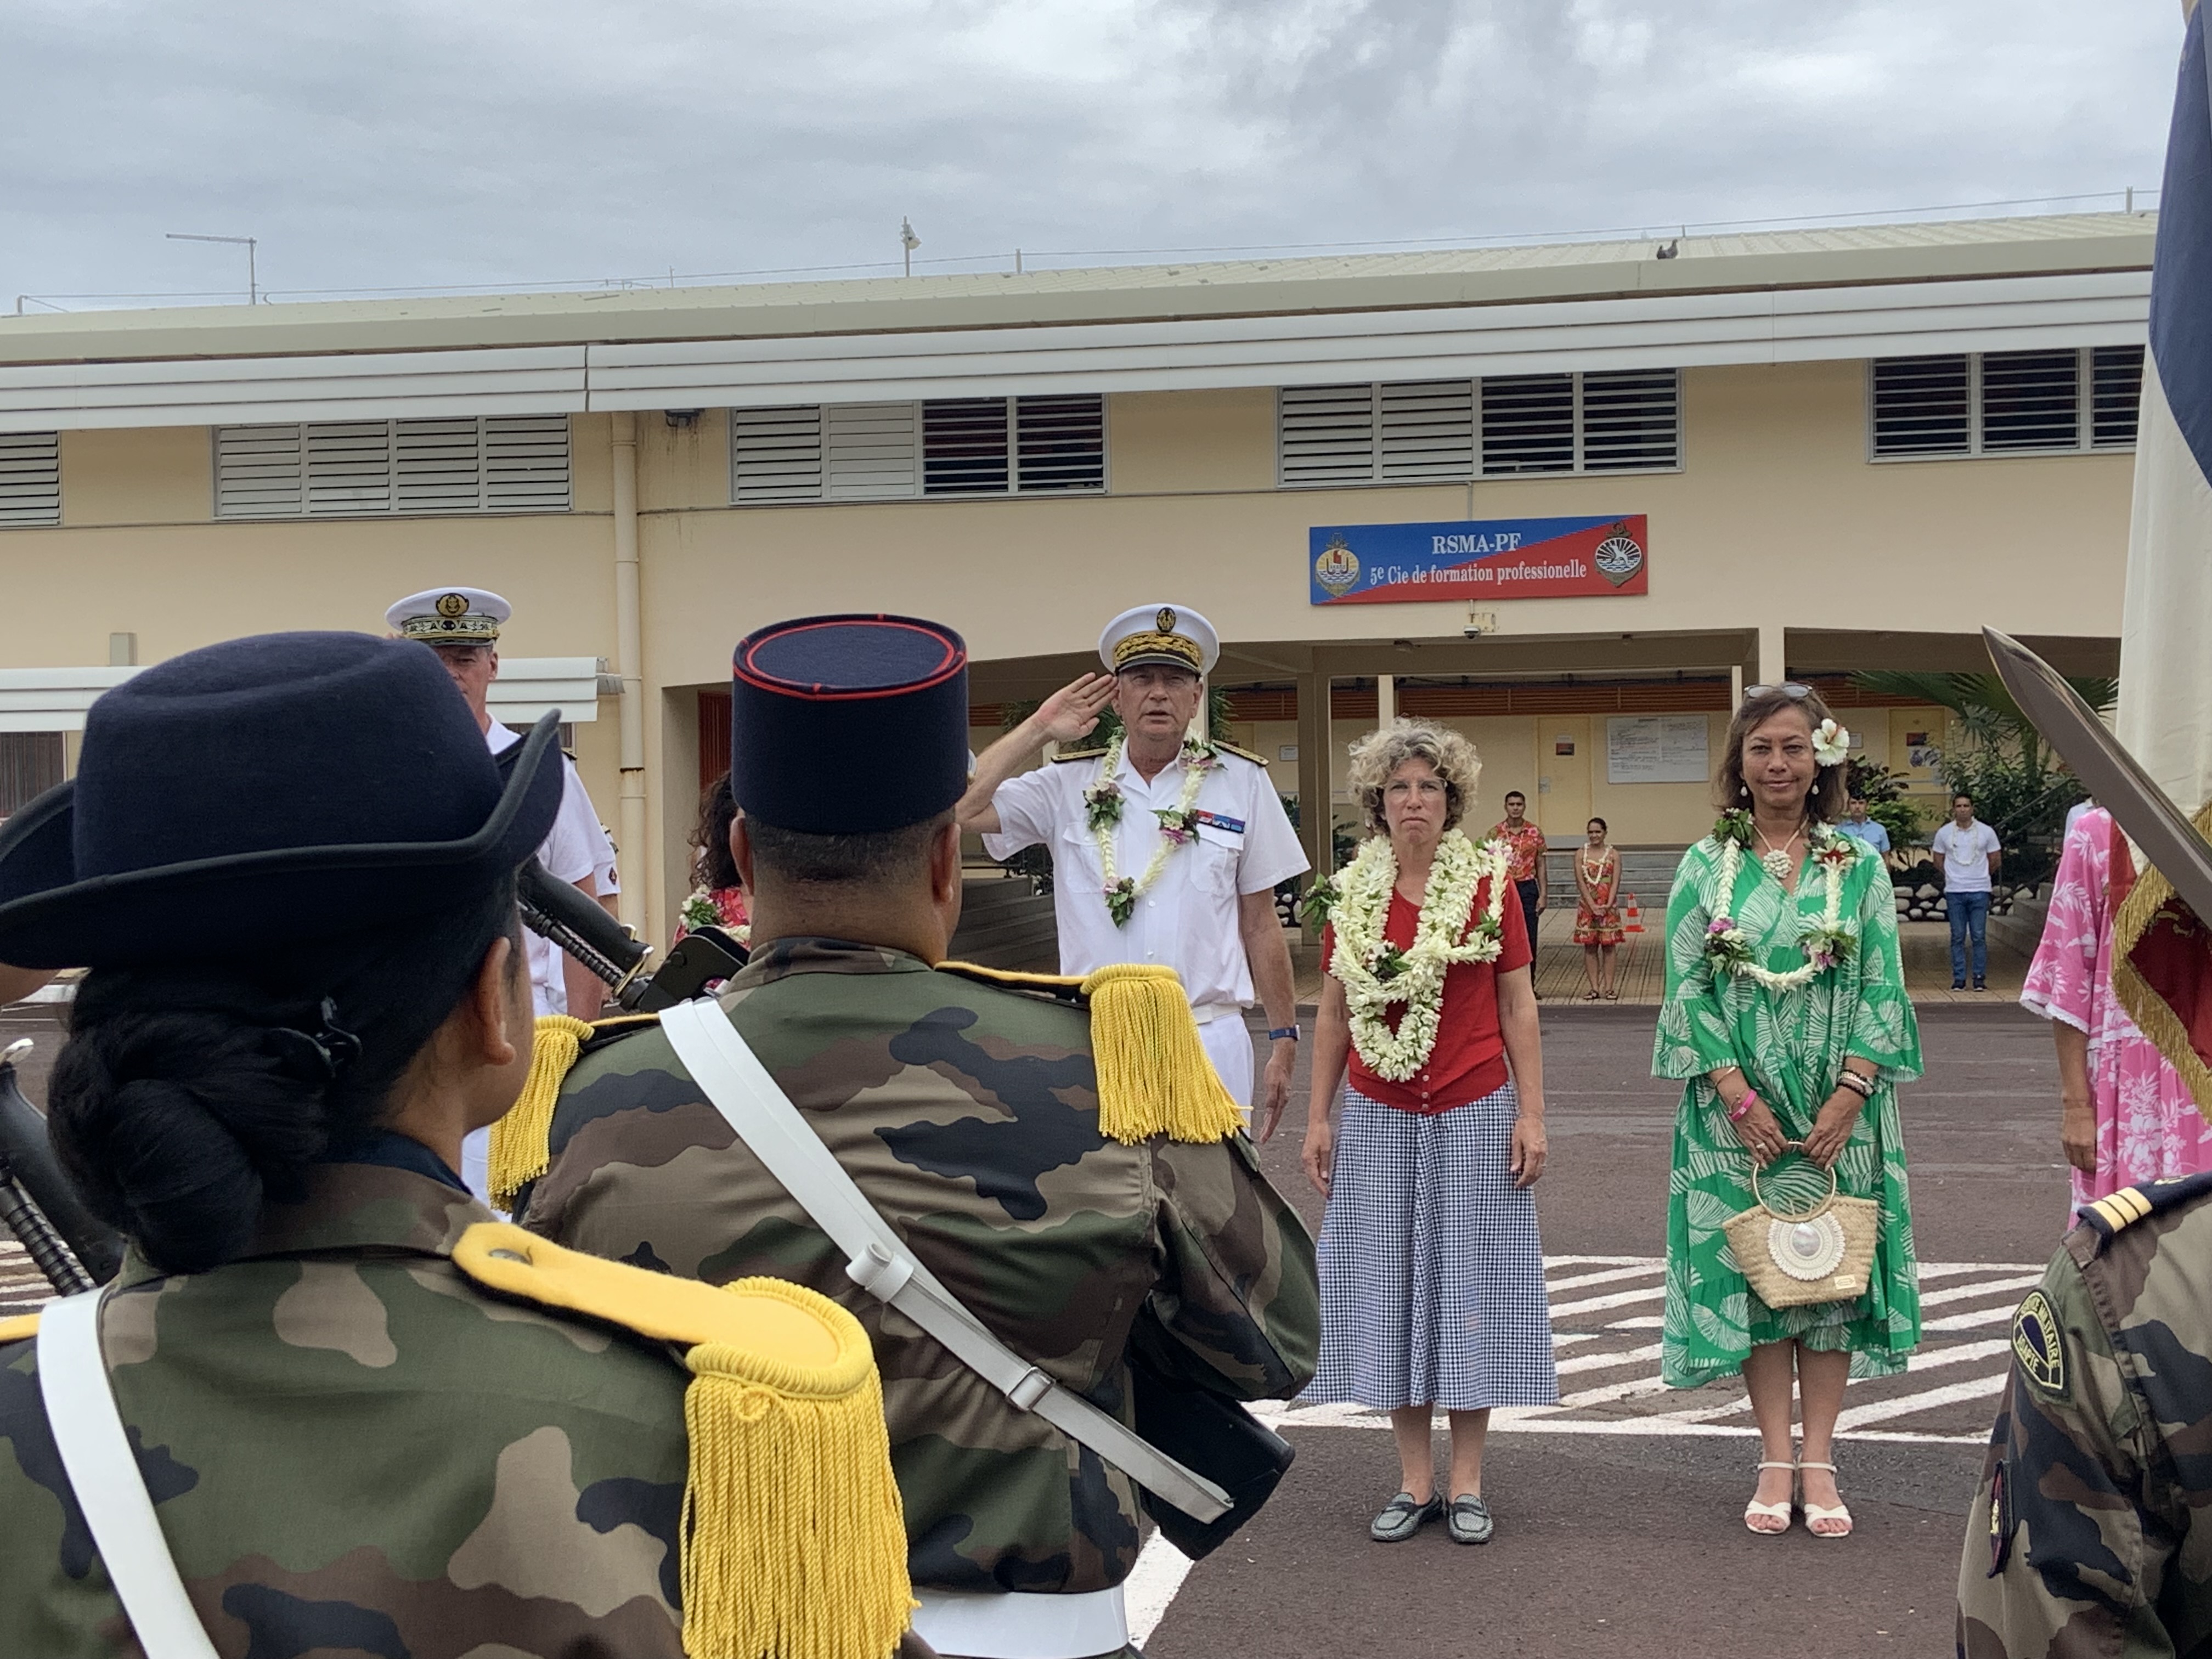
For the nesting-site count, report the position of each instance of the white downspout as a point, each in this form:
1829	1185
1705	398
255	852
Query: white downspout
629	644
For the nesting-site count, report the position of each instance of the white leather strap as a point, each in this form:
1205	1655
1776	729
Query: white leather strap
877	1260
88	1432
1018	1626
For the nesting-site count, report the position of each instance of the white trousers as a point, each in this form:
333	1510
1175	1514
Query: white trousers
1229	1045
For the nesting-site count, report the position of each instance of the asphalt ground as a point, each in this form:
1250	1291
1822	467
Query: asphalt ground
1618	1527
1621	1536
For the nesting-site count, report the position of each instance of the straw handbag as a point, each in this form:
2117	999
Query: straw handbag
1823	1254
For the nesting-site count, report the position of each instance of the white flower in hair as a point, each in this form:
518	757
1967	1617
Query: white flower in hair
1831	744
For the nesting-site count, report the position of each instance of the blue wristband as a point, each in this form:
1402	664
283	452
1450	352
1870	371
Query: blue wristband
1277	1033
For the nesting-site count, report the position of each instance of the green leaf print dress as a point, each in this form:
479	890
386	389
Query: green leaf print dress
1791	1045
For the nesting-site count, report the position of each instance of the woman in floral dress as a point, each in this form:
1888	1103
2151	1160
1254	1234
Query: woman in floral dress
1787	1018
1597	913
2126	1115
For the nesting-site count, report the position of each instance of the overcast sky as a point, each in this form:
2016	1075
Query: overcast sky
385	144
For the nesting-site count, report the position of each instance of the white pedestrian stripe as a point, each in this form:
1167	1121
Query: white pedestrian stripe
1608	1339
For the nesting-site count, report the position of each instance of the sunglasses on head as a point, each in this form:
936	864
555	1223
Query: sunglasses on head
1790	689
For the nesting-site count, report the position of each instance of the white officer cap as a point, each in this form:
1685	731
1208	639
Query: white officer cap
1171	634
449	616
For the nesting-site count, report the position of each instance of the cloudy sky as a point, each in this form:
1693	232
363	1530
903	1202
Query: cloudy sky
388	143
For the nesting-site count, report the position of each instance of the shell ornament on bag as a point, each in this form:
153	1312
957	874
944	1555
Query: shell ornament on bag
1825	1254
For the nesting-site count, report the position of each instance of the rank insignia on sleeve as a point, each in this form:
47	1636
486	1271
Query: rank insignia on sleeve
2037	1346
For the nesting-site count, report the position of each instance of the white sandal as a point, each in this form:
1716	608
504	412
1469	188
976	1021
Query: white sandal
1756	1510
1822	1512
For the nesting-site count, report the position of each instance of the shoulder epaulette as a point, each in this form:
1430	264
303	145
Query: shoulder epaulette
790	1486
1241	754
2123	1208
1055	987
19	1328
521	1141
1078	754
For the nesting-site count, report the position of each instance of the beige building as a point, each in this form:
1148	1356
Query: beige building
1828	450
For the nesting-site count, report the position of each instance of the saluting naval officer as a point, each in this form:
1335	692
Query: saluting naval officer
2092	1532
348	1411
990	1118
1164	848
461	625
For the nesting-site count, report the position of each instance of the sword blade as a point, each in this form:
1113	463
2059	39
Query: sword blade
2122	787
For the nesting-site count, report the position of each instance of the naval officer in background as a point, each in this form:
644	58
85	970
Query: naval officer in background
1165	849
461	625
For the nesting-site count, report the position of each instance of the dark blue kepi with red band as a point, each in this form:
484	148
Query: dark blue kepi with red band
845	725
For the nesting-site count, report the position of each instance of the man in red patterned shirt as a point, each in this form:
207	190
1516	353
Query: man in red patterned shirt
1524	843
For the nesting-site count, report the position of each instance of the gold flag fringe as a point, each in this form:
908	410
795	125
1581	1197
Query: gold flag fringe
2152	893
520	1141
1154	1076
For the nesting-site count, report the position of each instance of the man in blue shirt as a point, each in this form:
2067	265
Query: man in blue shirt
1858	824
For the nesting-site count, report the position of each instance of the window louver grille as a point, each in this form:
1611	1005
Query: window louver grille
2116	392
30	478
360	469
1527	424
2005	402
1326	434
895	452
2031	400
1428	430
1632	421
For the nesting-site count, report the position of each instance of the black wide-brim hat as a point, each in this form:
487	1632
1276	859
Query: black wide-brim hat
264	792
850	724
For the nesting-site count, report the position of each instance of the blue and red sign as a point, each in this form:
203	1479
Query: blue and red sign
1479	559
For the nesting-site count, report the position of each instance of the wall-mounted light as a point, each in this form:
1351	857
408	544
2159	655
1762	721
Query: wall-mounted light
682	417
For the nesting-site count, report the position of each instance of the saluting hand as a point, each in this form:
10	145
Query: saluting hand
1073	711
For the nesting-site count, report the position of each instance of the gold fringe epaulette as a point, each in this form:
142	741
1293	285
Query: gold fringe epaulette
521	1141
2119	1211
793	1540
1078	754
19	1328
1154	1078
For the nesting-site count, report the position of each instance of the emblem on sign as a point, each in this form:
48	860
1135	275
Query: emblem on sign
1166	619
1336	568
452	604
1617	558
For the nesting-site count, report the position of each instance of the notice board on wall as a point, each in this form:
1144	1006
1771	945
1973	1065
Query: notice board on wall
1657	749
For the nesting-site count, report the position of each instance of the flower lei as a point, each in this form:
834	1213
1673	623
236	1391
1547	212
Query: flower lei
1826	944
1375	973
699	910
1102	811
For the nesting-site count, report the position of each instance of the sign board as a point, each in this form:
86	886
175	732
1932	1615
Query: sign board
1478	559
1657	749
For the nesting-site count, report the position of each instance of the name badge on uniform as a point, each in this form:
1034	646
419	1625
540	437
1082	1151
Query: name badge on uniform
1220	820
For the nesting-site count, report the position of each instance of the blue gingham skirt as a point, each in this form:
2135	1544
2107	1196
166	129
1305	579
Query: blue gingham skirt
1431	1271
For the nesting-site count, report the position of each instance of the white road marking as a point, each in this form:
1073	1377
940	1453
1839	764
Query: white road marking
1601	1361
1969	1292
1980	1387
1600	1303
1964	1353
1606	1277
1149	1589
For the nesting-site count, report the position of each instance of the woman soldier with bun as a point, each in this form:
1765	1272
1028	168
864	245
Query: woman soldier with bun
329	1403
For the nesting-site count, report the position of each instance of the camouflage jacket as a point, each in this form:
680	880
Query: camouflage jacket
966	1112
352	1447
2084	1537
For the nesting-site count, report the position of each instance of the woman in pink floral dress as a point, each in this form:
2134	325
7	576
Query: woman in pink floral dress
2128	1117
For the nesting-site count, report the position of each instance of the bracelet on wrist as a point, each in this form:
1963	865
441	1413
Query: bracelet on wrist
1282	1034
1862	1087
1741	1110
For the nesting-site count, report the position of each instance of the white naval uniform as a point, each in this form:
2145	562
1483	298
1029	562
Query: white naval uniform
575	848
1189	920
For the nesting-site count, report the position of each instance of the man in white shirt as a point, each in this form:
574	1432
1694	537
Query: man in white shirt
1970	851
1161	853
461	625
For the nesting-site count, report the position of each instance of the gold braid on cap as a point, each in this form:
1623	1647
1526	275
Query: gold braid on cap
1172	646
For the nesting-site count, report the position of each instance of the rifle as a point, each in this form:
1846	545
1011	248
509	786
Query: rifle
76	1251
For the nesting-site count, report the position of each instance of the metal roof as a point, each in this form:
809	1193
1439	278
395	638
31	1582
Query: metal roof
1946	250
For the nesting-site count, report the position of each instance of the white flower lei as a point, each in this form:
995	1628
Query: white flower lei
1376	973
1103	808
1728	947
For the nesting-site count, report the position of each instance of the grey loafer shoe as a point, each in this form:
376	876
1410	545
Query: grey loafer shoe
1469	1522
1402	1517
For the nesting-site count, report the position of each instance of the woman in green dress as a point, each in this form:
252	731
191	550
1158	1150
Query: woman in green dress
1787	1017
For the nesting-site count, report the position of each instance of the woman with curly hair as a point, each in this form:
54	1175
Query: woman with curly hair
1787	1018
1431	1271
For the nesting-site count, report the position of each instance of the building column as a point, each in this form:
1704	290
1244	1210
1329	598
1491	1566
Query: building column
1314	743
1773	668
630	643
1385	700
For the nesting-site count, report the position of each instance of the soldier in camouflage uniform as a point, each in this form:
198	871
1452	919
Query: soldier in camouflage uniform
965	1105
2083	1538
370	1419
